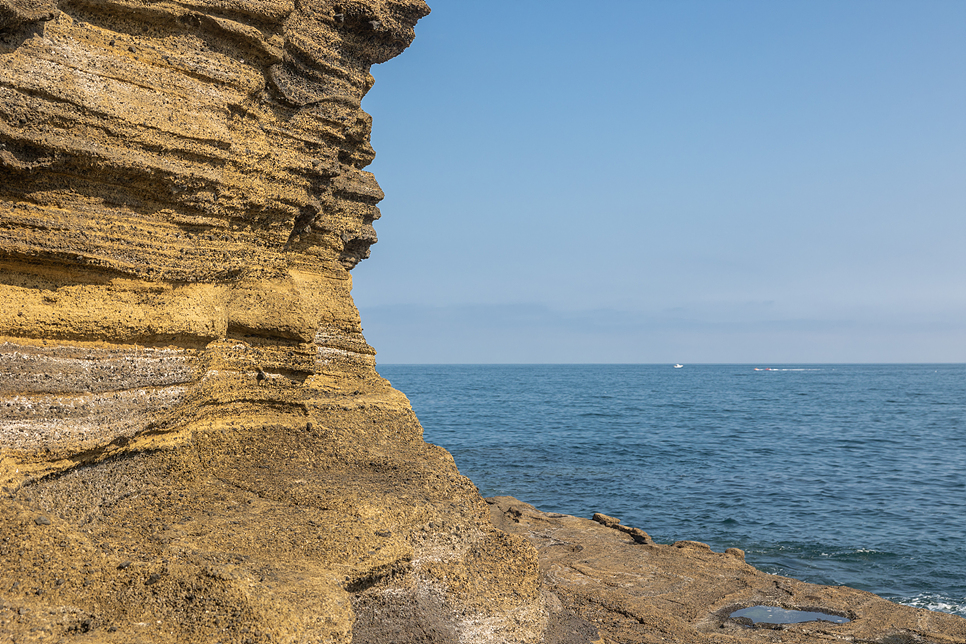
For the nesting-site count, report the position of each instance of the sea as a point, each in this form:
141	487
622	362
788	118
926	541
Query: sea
834	474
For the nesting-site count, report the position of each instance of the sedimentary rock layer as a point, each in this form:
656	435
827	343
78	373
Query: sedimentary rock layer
195	443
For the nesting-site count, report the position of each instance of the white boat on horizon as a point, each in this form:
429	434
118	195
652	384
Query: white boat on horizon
678	366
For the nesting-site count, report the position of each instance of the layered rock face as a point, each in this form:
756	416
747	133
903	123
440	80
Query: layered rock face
195	443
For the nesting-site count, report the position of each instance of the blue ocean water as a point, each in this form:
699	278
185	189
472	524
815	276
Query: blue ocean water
833	474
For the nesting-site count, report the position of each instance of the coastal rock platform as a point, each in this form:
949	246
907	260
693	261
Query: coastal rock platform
610	583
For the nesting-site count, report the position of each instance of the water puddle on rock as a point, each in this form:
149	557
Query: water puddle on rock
775	615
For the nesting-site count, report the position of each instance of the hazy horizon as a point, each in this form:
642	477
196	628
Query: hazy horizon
661	364
649	183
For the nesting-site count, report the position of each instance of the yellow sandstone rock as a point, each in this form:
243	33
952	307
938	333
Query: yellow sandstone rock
196	446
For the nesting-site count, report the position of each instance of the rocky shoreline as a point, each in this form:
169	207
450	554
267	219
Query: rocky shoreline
612	583
195	446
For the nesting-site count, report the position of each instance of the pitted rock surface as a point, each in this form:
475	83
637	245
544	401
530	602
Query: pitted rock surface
196	446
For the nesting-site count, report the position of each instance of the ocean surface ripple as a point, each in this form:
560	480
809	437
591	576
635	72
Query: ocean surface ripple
834	474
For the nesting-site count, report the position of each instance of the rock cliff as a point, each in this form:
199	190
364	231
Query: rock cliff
194	443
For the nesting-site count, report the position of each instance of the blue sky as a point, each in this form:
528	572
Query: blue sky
638	181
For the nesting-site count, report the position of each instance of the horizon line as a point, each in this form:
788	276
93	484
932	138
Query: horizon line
737	364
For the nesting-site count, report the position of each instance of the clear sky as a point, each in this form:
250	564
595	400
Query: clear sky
657	181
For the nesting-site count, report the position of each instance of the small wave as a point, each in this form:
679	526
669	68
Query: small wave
845	554
931	601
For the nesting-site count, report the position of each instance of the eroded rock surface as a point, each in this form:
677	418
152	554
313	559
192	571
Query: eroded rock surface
614	579
195	444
